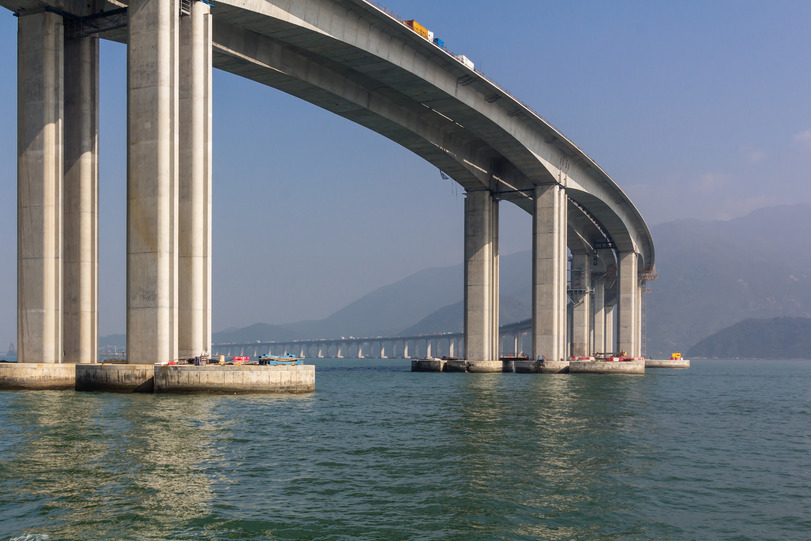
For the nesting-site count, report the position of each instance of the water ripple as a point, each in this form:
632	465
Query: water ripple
378	452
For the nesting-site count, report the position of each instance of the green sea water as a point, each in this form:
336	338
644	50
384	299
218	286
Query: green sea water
719	451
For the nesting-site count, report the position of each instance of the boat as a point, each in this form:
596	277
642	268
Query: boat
276	360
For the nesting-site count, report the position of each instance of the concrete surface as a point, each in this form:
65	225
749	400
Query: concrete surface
121	378
152	189
628	316
481	276
555	367
344	56
607	367
527	367
428	365
456	366
234	379
40	64
194	237
667	363
549	261
37	376
81	201
489	366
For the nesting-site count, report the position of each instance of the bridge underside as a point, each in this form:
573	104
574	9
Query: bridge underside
345	56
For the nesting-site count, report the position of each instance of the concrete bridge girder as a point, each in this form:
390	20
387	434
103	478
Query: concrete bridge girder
421	72
467	159
348	57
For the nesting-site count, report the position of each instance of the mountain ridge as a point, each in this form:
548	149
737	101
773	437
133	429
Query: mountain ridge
712	274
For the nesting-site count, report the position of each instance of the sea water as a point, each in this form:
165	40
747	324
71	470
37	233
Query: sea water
719	451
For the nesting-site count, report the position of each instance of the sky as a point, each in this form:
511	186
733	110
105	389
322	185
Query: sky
696	109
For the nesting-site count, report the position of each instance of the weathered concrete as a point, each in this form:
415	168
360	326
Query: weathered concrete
40	61
667	363
527	367
81	188
607	367
610	329
152	171
194	259
481	276
428	365
555	367
344	55
37	376
628	316
456	366
489	366
121	378
549	272
234	379
581	311
598	314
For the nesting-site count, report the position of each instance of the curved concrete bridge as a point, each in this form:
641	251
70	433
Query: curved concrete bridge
347	56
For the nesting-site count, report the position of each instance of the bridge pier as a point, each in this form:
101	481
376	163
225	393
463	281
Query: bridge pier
81	188
194	258
481	276
169	61
40	50
152	188
549	259
581	313
629	320
598	314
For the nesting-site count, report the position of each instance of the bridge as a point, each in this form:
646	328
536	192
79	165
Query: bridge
350	57
512	338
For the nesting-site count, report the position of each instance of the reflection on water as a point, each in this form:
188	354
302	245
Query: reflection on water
88	457
378	452
553	452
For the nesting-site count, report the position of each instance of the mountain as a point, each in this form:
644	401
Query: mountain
777	338
396	308
451	318
113	340
253	333
713	274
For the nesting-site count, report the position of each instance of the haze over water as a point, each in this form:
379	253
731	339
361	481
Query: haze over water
720	451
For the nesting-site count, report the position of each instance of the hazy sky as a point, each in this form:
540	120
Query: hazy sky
696	109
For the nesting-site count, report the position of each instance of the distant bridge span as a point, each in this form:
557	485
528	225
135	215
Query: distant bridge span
347	56
450	344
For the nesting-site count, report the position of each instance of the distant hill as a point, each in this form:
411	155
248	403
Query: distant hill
451	318
713	274
398	308
777	338
252	333
113	340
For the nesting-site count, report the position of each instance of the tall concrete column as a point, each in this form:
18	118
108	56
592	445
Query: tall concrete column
549	258
598	314
81	189
628	309
581	314
481	276
638	322
194	258
40	57
152	192
610	328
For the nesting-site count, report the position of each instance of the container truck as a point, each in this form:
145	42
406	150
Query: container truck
417	27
